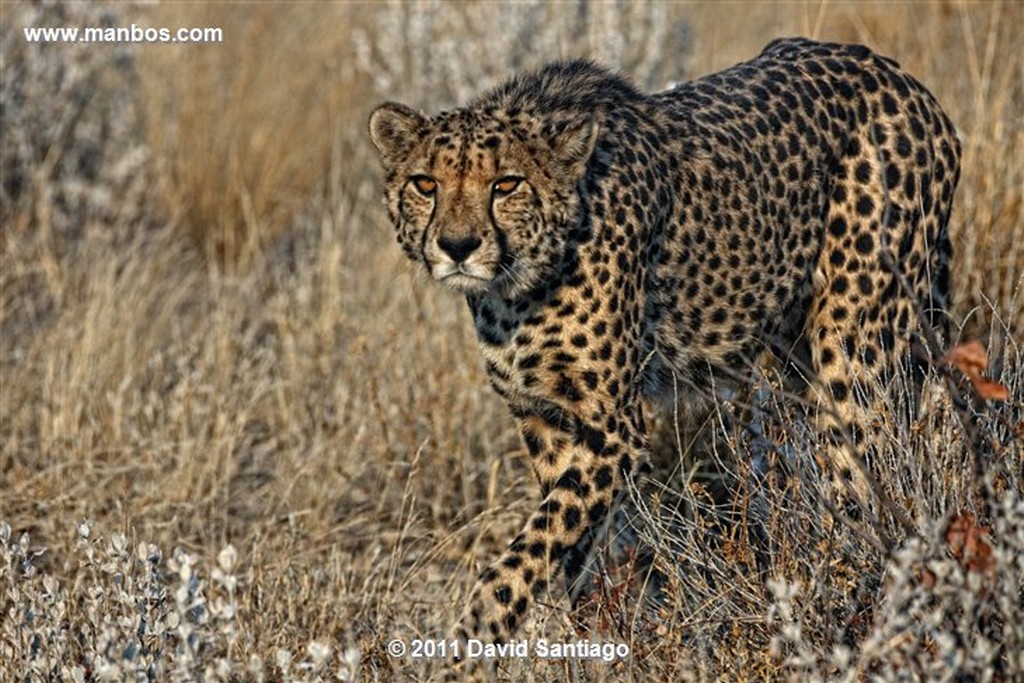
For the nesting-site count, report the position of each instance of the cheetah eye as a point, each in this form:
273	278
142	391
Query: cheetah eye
506	185
425	185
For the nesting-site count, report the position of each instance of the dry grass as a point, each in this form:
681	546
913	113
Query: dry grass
283	440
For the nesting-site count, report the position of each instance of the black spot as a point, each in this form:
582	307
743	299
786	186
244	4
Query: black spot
567	388
603	478
889	104
532	441
597	512
840	285
537	549
887	340
903	146
573	564
488	315
590	379
878	134
863	172
529	362
520	606
865	285
489	336
553	329
512	561
921	158
865	205
593	438
892	176
489	575
550	506
840	392
848	344
837	227
865	243
503	594
579	340
571	518
917	129
571	481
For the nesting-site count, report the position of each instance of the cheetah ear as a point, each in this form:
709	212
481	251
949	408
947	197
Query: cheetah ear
574	146
394	128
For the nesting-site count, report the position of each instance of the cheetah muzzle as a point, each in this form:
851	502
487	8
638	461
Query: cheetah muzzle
610	241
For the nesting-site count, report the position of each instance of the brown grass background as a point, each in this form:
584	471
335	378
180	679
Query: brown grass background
216	342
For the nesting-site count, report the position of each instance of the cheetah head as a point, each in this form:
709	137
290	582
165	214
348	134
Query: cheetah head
484	200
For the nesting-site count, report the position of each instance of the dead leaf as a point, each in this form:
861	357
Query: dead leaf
969	544
970	358
989	390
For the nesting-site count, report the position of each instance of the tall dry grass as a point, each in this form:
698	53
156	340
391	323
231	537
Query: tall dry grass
281	436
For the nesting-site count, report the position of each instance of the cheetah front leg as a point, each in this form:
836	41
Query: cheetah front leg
582	470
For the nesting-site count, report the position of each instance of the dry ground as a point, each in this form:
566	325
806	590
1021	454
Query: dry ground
239	438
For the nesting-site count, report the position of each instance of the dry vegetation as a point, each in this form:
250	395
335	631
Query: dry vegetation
240	439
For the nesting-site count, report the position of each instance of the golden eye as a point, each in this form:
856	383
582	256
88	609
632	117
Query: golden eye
424	184
506	185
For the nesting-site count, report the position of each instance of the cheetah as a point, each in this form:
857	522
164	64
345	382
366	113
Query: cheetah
612	243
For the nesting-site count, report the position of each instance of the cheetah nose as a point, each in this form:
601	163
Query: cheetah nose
459	248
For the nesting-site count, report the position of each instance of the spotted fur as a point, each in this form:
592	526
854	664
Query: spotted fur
613	243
